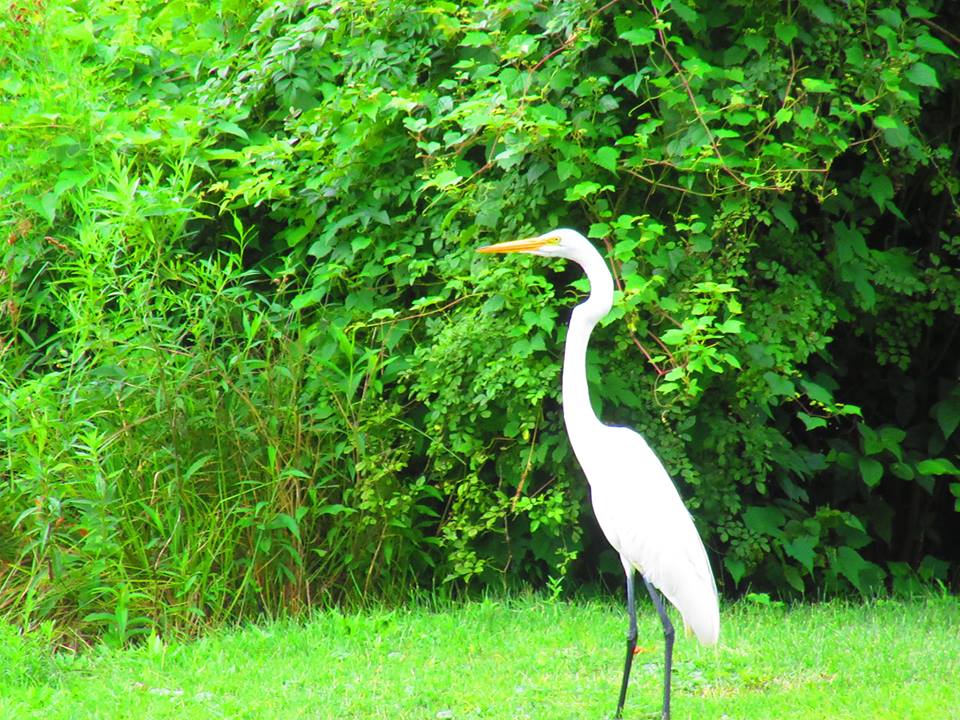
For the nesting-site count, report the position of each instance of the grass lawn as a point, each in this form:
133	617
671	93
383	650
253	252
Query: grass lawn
521	658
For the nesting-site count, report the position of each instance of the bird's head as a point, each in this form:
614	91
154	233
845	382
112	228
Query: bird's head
563	243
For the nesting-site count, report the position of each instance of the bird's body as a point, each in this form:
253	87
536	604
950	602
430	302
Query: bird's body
645	521
636	503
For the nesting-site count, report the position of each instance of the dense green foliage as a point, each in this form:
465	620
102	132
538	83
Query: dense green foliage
251	361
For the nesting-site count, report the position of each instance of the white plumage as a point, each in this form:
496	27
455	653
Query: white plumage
636	503
641	514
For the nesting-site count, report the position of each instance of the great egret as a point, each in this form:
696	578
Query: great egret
636	504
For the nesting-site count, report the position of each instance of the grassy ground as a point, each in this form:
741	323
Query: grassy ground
525	658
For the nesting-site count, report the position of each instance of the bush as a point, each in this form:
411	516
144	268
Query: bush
251	361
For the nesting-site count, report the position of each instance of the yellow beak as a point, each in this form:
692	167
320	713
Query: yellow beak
526	245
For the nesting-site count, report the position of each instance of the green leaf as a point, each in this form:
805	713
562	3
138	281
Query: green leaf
567	169
934	46
674	336
764	520
639	36
598	230
737	568
817	85
947	414
69	179
903	471
922	74
871	471
475	38
335	509
793	577
889	16
585	189
892	439
45	206
818	393
895	132
783	115
881	190
607	157
231	128
786	32
781	211
811	422
937	466
731	326
820	11
885	122
779	385
852	566
801	549
806	118
871	439
445	178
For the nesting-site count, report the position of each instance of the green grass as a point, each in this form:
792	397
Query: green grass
523	658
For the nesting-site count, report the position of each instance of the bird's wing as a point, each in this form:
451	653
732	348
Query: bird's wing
641	513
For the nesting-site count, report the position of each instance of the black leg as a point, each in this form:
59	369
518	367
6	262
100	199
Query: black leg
667	646
631	641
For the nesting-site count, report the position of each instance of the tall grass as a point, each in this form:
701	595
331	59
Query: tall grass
180	439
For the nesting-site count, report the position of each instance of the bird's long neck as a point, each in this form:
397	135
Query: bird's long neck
578	413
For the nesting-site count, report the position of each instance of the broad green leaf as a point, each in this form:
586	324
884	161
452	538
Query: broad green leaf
903	471
871	471
740	118
567	169
881	190
793	577
786	32
885	122
937	466
69	179
639	36
285	521
817	392
445	178
892	439
781	211
764	520
922	74
585	189
811	422
731	326
852	566
475	38
817	85
806	118
231	128
935	46
947	414
737	568
890	16
598	230
780	385
802	549
820	11
607	157
872	443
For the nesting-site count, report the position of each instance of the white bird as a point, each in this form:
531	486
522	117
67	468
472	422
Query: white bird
636	503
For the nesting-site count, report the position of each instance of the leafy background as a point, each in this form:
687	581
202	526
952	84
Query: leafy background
251	362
